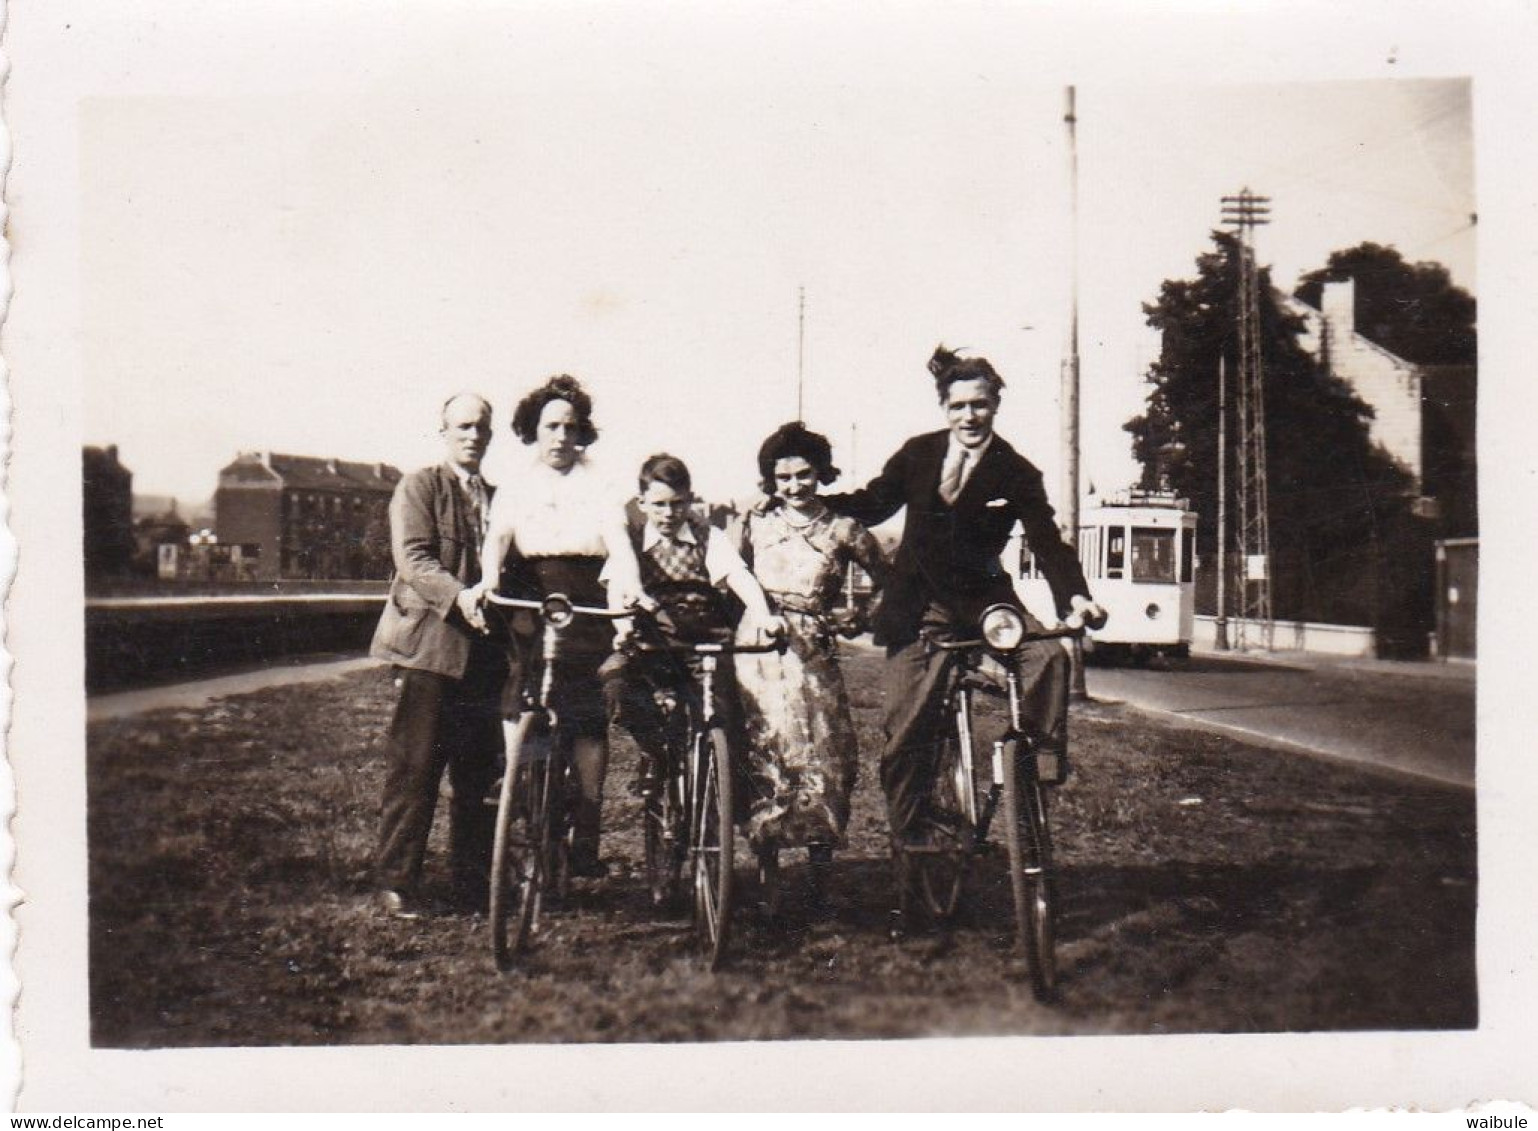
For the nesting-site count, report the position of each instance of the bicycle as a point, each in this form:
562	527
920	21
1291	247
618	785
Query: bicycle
688	801
960	814
530	855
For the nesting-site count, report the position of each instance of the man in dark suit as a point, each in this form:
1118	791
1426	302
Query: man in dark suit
449	672
965	488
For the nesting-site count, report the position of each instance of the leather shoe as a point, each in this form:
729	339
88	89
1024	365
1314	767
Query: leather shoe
395	904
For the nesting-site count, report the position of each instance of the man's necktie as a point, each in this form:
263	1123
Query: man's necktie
479	504
955	475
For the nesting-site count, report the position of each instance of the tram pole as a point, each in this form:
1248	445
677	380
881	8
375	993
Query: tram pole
1220	626
1070	388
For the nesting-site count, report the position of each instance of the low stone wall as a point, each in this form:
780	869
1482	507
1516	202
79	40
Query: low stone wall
1296	636
133	641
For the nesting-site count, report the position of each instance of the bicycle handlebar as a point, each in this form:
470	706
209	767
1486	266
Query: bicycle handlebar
557	607
710	649
1029	638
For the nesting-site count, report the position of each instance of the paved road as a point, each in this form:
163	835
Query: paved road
1416	719
194	693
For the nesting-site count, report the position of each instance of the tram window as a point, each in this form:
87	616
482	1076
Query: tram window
1153	554
1187	555
1115	551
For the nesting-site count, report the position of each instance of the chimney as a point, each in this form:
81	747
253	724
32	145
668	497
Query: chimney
1337	303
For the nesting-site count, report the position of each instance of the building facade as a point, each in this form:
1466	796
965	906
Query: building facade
1423	416
304	517
107	514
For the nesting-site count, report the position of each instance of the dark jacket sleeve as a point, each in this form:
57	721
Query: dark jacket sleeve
879	499
416	544
1055	557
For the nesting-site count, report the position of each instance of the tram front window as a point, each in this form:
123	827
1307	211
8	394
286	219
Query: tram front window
1153	554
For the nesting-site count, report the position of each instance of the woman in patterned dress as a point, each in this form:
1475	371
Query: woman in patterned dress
801	749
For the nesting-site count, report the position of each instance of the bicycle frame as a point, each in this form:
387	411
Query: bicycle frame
980	811
695	807
526	866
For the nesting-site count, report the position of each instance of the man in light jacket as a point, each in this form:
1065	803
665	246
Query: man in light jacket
449	672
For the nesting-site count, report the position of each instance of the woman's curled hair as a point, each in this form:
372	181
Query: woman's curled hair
561	387
789	441
947	368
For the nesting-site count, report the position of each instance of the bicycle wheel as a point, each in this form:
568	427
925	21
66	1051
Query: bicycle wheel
663	866
712	843
1029	842
560	788
939	865
516	853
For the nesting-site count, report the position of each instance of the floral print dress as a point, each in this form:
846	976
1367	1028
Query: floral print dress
802	757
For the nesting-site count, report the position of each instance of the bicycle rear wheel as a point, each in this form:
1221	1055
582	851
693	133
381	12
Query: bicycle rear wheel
1029	842
938	866
517	853
712	837
664	840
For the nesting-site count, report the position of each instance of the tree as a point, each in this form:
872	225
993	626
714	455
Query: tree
1411	309
1332	492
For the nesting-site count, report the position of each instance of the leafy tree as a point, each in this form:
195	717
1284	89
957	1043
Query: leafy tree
1411	309
1334	496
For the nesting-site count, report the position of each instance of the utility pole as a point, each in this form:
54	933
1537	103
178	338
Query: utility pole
1220	626
1244	212
1070	380
800	353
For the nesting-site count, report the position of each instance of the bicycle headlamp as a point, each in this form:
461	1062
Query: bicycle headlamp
557	610
1003	627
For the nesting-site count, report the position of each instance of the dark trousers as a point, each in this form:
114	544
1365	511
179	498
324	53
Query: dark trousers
917	680
630	687
441	722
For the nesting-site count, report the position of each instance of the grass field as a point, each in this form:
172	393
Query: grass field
1206	885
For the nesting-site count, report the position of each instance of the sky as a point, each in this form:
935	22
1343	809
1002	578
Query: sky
309	258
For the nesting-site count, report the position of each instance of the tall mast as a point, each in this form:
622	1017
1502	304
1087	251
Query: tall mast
1070	379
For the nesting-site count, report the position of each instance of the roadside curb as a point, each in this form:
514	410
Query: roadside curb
1309	661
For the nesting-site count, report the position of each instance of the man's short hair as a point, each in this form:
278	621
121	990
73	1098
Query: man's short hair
443	413
947	368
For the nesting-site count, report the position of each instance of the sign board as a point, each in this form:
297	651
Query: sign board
1255	567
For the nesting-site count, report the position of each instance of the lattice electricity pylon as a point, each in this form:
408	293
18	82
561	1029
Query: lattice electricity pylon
1244	212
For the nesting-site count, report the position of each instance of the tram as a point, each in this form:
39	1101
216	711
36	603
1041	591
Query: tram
1139	556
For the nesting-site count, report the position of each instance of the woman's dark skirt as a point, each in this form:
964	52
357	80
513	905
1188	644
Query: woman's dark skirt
577	695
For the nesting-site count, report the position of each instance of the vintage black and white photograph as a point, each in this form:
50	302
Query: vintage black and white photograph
625	527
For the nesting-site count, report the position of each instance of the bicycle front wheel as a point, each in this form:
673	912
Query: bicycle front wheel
711	841
939	864
517	852
1029	842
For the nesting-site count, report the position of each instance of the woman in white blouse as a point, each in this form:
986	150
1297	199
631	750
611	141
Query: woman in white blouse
551	528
